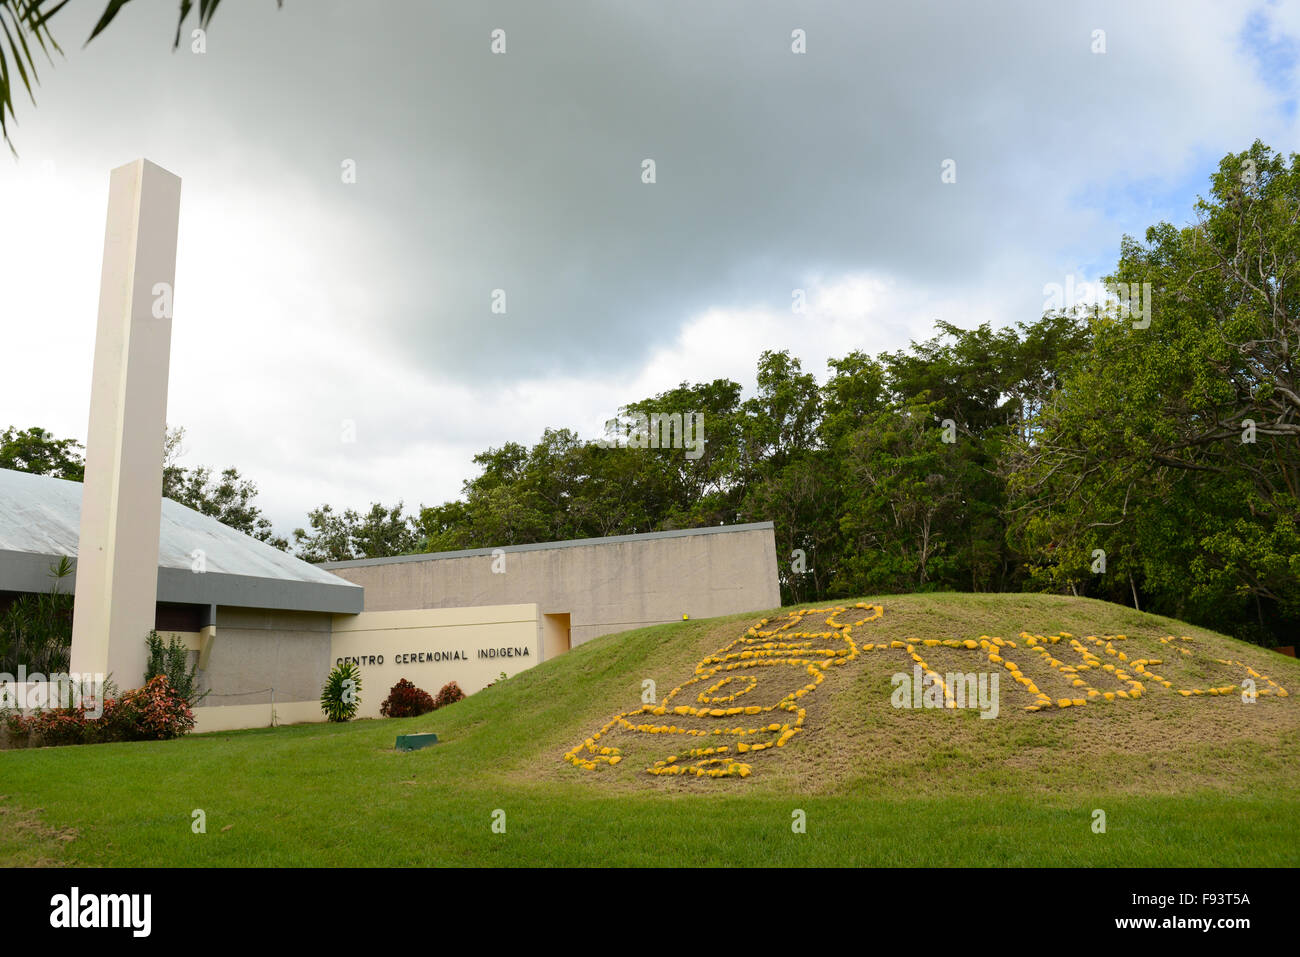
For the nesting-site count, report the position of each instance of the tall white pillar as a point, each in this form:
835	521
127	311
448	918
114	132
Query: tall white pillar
121	502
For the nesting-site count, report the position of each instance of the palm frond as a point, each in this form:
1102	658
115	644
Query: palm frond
22	21
19	20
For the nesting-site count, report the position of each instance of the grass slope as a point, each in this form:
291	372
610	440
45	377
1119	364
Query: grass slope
1183	781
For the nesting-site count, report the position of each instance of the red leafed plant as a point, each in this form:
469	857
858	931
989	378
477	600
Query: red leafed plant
405	700
58	726
155	712
450	693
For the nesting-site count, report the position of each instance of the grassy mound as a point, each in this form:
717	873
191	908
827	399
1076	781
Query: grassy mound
855	742
1182	779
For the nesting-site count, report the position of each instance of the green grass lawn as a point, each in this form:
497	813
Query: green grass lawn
1182	781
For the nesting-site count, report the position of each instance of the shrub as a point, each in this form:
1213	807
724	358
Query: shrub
119	720
155	712
172	660
56	726
449	694
341	696
13	730
405	700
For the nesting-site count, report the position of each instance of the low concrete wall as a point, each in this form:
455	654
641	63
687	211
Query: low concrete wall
238	717
605	585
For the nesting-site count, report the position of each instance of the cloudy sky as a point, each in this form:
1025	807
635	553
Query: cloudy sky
304	302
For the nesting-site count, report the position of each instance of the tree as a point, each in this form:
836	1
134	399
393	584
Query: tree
25	25
782	477
36	451
802	501
679	490
903	503
1175	447
565	487
781	420
348	535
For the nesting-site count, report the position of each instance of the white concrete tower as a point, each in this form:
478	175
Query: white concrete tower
121	504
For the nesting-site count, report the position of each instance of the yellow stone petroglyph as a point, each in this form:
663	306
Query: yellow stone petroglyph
775	643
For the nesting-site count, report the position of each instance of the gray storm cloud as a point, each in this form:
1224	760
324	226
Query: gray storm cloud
522	172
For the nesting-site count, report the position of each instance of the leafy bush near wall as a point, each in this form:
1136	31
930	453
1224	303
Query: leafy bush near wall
51	728
405	700
172	660
155	712
36	629
449	694
341	696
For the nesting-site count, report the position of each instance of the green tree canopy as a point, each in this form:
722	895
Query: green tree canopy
36	451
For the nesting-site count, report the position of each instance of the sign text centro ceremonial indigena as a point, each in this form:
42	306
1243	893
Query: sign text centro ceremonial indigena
422	657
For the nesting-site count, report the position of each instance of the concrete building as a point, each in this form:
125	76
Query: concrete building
264	628
588	587
259	621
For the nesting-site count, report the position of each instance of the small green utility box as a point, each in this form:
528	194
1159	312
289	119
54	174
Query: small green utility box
414	742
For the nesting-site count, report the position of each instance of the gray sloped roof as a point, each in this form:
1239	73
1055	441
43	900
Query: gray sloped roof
40	520
544	546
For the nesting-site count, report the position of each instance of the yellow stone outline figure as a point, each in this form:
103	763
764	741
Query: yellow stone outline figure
757	648
816	652
1140	666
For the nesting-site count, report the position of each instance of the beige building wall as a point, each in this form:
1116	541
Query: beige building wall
604	586
430	647
266	667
